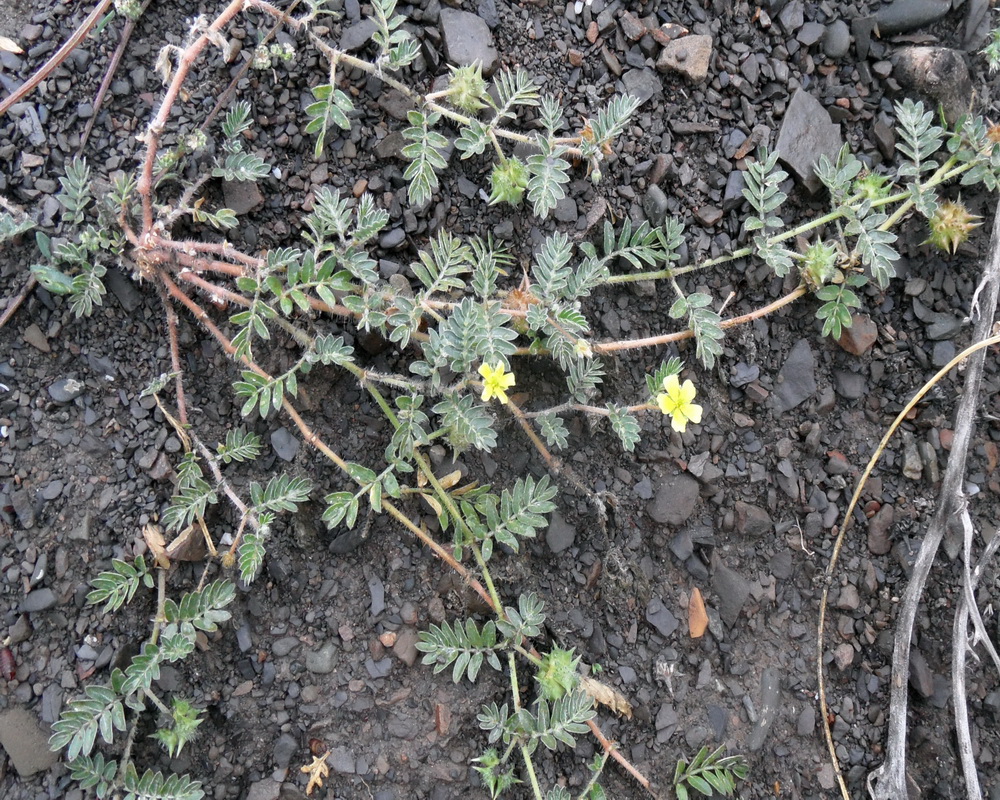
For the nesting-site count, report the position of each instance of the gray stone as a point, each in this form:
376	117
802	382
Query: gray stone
689	56
806	723
377	591
675	500
284	645
660	618
33	335
770	695
837	39
913	464
939	74
358	35
560	534
467	39
732	197
810	33
807	132
38	600
792	16
643	84
907	15
320	662
850	385
23	502
797	379
284	749
341	759
654	204
921	676
266	789
66	390
25	742
380	668
392	238
731	590
285	445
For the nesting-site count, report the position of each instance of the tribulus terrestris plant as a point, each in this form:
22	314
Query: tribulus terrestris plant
469	320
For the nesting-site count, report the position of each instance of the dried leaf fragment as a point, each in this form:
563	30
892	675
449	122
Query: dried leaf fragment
156	545
316	771
697	617
10	45
607	696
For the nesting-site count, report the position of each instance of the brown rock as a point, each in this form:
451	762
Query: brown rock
752	520
575	58
592	32
862	334
878	531
33	335
26	745
241	196
690	56
632	26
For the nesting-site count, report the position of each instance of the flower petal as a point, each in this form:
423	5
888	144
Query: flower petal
671	385
693	413
664	403
688	392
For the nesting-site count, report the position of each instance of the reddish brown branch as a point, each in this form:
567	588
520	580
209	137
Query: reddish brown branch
187	58
60	55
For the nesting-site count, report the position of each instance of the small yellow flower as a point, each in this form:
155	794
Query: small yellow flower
583	349
676	401
496	381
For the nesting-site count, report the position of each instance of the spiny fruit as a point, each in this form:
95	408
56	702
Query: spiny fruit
951	225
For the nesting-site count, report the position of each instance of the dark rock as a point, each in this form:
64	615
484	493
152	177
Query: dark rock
38	600
358	35
284	749
66	390
643	84
33	335
560	534
938	73
675	500
810	33
849	385
660	618
731	590
320	662
467	39
797	379
792	17
862	29
770	694
907	15
807	132
733	196
837	39
751	520
689	56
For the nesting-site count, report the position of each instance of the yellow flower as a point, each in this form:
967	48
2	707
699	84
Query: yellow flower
676	401
495	382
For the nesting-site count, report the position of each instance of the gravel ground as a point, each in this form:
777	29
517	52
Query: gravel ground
743	506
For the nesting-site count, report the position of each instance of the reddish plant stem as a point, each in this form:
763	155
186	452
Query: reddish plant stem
224	249
666	338
175	356
145	183
60	55
15	302
214	291
199	264
313	439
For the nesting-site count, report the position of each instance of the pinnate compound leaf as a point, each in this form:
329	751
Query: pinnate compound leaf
424	152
